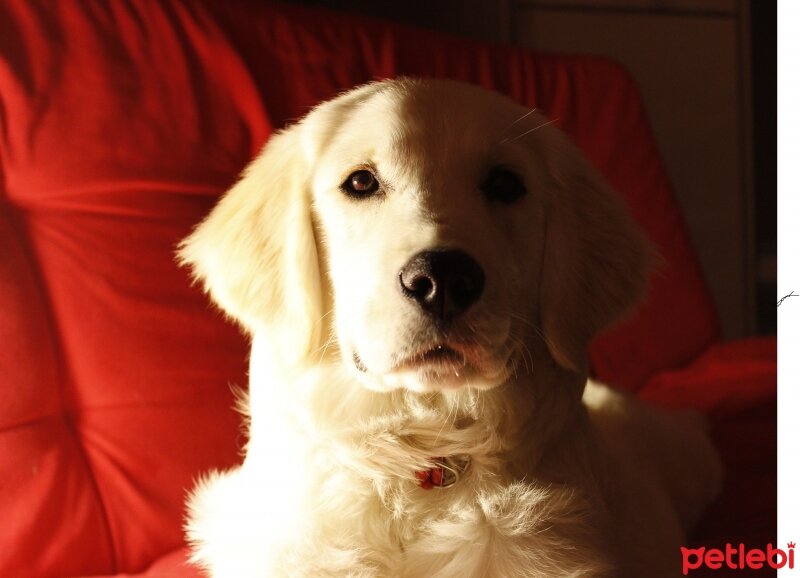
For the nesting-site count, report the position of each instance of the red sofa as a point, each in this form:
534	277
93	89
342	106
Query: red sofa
120	125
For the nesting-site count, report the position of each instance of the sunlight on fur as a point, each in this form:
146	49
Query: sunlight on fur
421	266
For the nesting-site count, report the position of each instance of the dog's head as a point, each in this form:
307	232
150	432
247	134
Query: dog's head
426	233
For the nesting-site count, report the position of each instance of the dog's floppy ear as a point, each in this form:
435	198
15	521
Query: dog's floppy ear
256	252
595	261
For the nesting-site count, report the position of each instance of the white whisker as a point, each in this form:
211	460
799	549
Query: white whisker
527	132
520	119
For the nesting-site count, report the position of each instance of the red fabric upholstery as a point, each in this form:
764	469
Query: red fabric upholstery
120	125
734	384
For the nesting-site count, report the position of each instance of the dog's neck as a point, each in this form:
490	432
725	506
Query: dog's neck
400	431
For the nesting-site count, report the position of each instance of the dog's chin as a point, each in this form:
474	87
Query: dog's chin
440	368
424	380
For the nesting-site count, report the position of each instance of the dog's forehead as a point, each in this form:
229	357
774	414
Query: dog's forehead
437	111
422	124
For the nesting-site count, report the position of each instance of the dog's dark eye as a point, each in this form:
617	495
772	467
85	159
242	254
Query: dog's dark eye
503	185
361	184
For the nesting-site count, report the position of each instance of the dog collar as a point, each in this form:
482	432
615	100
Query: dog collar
444	473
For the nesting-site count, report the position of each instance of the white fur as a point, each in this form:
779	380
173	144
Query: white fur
556	487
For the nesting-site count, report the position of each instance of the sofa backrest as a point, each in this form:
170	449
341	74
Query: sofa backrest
121	123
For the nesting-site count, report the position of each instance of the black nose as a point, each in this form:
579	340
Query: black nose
444	282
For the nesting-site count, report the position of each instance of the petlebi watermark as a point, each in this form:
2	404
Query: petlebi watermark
738	557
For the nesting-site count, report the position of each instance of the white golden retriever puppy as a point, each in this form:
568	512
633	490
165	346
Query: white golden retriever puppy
421	266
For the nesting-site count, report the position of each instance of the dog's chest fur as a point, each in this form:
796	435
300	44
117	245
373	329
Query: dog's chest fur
346	479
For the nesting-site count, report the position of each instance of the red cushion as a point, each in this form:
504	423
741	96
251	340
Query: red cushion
120	125
115	383
734	384
175	564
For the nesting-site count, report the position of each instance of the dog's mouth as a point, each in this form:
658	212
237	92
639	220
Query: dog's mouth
443	363
440	356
